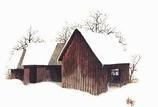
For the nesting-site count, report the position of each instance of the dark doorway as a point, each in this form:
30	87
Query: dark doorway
33	74
55	73
115	76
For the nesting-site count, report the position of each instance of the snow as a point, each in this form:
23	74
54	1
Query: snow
14	60
105	47
132	18
39	53
48	94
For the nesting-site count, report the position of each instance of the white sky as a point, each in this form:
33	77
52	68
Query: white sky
136	19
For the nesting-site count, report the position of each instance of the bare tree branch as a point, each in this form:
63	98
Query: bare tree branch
136	59
66	32
96	22
29	38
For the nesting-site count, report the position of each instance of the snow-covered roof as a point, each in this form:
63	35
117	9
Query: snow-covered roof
39	53
105	47
14	62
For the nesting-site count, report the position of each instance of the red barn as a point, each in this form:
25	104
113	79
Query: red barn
91	61
40	63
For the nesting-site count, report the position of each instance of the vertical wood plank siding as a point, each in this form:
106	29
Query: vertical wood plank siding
124	72
43	73
81	69
26	75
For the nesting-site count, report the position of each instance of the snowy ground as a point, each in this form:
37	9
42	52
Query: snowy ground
49	94
136	19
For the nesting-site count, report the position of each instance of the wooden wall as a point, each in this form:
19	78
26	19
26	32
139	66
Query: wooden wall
17	73
54	72
124	72
26	75
81	69
42	73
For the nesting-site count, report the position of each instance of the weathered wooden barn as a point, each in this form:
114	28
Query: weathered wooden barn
40	63
15	64
91	61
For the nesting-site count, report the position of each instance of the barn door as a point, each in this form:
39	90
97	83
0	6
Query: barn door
33	75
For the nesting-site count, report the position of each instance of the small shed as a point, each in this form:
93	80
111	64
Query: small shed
40	63
15	64
91	61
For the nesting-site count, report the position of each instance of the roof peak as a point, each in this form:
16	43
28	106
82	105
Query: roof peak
105	47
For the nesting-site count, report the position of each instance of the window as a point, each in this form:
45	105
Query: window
115	75
115	72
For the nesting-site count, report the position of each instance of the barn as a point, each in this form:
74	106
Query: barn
15	64
40	63
92	61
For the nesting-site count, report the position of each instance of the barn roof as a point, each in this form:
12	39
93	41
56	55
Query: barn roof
105	47
42	54
55	55
16	60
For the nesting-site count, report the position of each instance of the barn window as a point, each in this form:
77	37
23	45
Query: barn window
115	75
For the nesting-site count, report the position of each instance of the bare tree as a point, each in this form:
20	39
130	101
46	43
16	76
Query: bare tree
23	43
26	40
97	22
66	32
133	67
